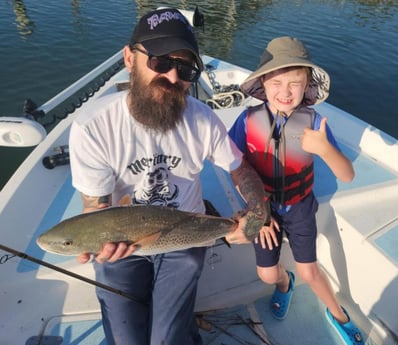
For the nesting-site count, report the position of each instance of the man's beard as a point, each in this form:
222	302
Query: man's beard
158	105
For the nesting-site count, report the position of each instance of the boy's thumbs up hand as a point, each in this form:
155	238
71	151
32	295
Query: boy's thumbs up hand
322	126
315	141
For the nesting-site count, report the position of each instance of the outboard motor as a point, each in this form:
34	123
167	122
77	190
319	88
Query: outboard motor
22	131
198	18
31	110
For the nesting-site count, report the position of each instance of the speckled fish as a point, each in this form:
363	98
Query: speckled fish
155	229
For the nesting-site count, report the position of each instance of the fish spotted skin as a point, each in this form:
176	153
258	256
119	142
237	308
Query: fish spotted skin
156	229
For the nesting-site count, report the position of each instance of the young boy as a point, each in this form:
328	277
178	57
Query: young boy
279	138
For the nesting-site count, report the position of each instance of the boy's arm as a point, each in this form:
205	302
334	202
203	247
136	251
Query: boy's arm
316	142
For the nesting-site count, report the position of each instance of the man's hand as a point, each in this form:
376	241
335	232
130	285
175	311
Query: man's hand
247	221
238	236
267	235
110	253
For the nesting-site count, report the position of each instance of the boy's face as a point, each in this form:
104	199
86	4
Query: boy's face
285	88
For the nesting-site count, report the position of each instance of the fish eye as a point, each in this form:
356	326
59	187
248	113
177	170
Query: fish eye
67	243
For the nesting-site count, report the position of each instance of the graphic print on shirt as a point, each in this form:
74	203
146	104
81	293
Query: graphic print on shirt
156	190
155	187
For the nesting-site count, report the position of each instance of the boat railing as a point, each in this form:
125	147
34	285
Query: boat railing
79	84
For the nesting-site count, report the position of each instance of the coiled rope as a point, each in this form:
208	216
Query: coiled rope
224	96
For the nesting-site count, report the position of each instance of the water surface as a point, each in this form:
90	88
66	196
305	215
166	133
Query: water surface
46	45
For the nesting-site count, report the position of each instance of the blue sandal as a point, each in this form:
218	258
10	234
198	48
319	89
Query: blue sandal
348	332
280	301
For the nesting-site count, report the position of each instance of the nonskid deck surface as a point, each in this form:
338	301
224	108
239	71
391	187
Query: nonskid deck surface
250	324
254	324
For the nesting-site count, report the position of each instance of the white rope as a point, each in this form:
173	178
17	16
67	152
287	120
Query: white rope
224	100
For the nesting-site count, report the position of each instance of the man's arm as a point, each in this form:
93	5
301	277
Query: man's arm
95	203
250	186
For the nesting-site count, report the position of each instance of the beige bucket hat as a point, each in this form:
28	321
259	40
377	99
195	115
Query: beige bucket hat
286	52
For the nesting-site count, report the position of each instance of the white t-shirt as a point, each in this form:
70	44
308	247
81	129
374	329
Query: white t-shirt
111	153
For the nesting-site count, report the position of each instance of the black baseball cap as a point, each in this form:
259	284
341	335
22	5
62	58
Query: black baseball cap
164	31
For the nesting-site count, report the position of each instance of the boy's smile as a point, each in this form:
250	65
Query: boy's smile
285	88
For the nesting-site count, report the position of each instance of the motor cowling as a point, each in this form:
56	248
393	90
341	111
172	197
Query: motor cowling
20	132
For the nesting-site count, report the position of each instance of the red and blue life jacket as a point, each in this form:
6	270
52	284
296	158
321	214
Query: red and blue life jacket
286	169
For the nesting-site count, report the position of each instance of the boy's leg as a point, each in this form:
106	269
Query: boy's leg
320	285
302	238
301	228
174	294
271	271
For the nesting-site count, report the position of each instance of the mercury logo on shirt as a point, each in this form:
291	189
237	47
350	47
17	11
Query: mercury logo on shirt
141	165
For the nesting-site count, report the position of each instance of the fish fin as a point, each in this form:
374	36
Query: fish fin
226	242
210	209
125	200
148	240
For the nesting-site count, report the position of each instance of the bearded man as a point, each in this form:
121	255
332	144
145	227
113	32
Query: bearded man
150	143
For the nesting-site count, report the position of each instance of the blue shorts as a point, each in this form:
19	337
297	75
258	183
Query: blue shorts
299	225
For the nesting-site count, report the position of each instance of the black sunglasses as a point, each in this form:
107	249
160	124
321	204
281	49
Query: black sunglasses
163	64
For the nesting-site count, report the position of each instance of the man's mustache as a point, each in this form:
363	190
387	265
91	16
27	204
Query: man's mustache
164	83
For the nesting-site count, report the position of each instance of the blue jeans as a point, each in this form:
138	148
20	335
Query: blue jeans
166	284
